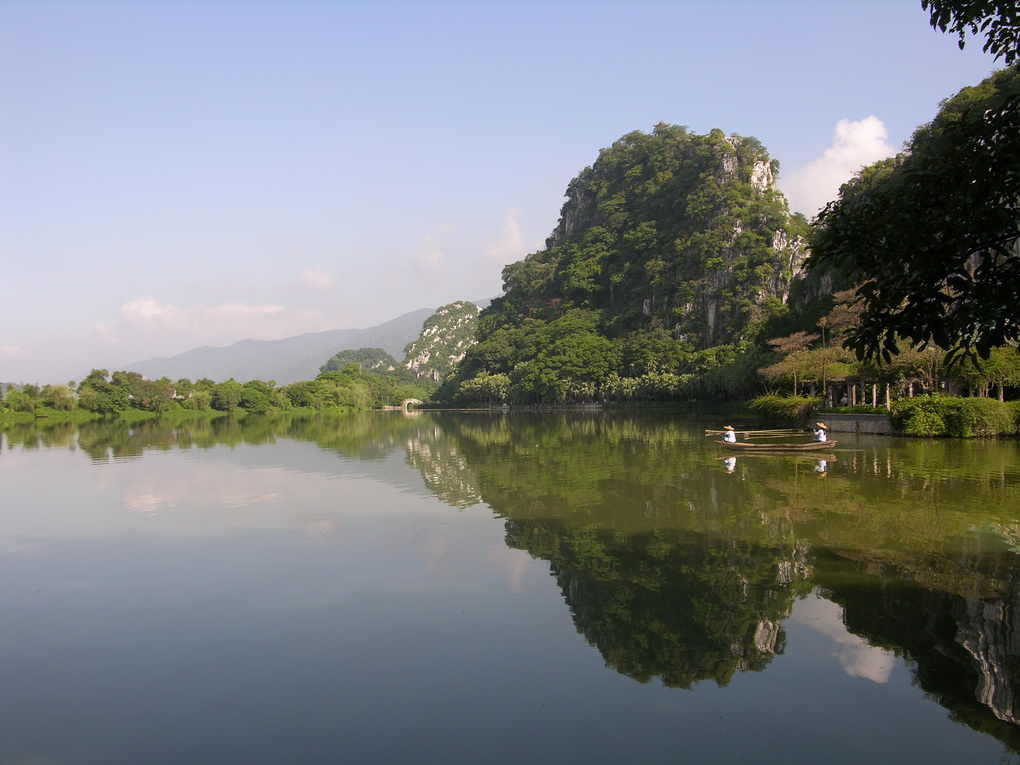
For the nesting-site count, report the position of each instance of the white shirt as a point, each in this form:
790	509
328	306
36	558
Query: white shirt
820	436
730	437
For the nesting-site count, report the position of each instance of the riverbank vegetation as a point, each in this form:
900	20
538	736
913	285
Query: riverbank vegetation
129	396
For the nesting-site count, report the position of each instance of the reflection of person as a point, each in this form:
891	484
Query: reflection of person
730	463
822	467
821	435
730	436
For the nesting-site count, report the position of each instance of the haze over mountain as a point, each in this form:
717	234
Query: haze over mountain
286	360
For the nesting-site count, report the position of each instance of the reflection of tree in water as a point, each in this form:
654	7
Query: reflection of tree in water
641	539
442	466
919	546
28	435
680	607
961	634
362	435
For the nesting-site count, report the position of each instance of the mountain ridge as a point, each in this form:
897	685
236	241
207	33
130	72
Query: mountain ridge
286	360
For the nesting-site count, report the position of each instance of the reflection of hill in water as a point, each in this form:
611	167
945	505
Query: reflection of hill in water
965	651
675	569
683	609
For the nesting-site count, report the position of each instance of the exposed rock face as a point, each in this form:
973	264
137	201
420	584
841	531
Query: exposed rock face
445	338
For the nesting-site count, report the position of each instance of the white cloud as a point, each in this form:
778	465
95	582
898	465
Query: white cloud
11	352
855	656
856	144
508	245
316	279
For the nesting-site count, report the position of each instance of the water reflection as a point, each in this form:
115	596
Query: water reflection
676	564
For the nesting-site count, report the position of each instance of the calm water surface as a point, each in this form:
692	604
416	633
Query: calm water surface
474	588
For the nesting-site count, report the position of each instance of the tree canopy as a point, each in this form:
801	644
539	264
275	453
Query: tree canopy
997	20
933	235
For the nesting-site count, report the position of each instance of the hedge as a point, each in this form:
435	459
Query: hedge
937	415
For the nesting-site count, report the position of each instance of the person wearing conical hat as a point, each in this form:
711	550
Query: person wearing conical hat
730	436
821	432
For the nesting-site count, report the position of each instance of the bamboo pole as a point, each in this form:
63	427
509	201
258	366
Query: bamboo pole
774	432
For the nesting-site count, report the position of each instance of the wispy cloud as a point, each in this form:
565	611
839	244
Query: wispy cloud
316	279
856	144
508	245
147	318
430	256
12	352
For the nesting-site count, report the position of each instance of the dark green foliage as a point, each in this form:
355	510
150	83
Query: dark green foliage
226	396
101	396
256	397
932	236
375	359
937	415
997	20
792	410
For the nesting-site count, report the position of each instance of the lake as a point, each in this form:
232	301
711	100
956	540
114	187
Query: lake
469	588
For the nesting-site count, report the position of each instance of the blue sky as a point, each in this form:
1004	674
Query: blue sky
180	174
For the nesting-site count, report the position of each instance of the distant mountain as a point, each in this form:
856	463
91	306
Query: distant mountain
287	360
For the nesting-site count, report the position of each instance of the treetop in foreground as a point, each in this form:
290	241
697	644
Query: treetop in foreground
932	236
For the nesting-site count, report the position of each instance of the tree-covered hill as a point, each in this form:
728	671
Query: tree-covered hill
666	230
445	337
669	246
374	359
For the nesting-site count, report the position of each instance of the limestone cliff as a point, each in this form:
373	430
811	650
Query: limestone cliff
445	338
668	230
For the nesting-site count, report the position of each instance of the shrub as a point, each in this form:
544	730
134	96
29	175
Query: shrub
955	417
1014	412
792	409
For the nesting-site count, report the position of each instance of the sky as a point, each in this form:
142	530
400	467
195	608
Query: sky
177	174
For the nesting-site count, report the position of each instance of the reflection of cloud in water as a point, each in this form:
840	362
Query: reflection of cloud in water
510	563
147	500
191	494
855	656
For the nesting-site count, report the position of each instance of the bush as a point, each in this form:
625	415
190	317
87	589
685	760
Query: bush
1014	411
954	417
787	409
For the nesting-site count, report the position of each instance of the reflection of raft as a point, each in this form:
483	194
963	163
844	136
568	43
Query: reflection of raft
746	446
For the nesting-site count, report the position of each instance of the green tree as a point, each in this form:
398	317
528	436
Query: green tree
997	20
933	236
20	401
369	358
1000	369
102	396
60	397
226	396
256	397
